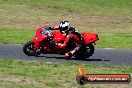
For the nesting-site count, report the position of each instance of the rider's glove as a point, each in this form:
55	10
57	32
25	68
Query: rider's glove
50	28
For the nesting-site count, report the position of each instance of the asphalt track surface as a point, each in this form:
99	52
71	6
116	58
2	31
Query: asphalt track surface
109	57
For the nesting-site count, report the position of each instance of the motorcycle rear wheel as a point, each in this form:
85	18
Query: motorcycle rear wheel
85	52
28	49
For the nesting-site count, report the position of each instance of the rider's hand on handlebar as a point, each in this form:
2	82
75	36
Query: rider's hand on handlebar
50	27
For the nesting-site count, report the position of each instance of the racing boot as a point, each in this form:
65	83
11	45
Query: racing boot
68	55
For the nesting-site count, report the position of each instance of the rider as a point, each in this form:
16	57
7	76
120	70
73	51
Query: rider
70	33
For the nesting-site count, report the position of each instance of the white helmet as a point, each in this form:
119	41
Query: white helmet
64	26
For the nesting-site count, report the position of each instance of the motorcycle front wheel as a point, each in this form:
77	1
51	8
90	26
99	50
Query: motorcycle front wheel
28	49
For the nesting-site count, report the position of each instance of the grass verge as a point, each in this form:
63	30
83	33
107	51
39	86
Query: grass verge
107	40
29	74
15	36
99	7
111	19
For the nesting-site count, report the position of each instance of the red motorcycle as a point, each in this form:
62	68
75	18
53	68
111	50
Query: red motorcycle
44	38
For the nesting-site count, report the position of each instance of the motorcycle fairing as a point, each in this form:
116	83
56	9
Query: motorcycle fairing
90	37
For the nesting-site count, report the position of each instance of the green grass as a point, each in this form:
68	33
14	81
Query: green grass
111	19
98	7
115	40
31	13
108	40
29	74
14	36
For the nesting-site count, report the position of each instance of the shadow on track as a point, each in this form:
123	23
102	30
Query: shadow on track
88	59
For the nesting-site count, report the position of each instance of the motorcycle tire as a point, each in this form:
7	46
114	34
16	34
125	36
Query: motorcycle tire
28	49
85	52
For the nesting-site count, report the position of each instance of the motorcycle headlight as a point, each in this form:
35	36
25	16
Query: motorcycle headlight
36	37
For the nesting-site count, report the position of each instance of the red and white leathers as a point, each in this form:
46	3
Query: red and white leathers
75	36
67	39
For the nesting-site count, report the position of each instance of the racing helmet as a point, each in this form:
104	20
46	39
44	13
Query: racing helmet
64	26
